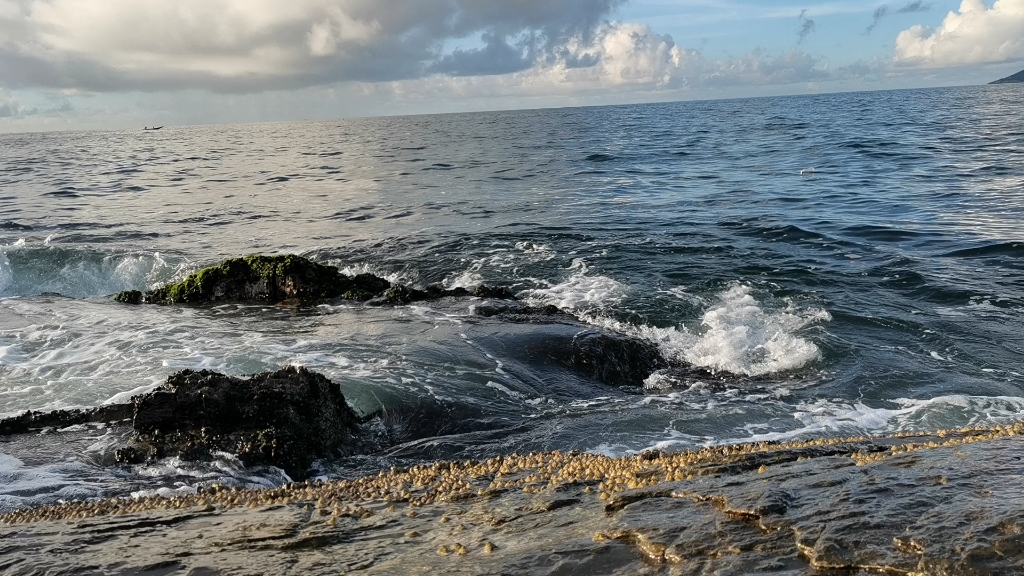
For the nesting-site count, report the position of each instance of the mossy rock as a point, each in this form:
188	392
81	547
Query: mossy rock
291	278
266	278
130	297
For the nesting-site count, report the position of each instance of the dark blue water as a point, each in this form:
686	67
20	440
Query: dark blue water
835	264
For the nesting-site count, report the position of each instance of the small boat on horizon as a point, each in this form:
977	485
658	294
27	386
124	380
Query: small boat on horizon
153	128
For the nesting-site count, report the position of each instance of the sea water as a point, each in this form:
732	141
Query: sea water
834	265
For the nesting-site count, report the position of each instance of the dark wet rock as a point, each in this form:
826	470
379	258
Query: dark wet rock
130	297
612	358
289	278
286	418
32	421
500	292
551	337
523	313
400	294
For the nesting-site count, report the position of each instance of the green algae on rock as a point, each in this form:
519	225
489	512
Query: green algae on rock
290	278
264	278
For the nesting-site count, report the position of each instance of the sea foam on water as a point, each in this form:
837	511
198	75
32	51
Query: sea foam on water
736	334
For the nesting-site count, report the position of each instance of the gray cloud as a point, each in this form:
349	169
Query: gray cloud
914	7
236	46
11	108
8	106
806	28
883	11
880	12
623	58
498	56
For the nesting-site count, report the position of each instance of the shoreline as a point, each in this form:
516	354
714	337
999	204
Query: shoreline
891	504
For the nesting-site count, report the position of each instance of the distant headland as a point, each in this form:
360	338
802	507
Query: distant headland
1018	77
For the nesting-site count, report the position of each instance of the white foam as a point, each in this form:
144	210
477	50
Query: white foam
742	338
225	468
735	335
63	353
467	279
357	269
658	381
505	389
181	489
580	292
536	252
27	485
832	417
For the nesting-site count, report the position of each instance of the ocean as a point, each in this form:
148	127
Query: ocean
825	265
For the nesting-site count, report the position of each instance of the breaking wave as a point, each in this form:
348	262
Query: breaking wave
736	334
33	269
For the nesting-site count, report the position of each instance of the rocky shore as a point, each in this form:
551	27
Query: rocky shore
946	503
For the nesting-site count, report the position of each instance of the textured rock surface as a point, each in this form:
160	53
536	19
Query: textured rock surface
614	359
32	420
950	504
286	418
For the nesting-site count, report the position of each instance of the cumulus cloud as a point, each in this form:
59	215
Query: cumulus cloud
974	34
625	57
252	45
501	48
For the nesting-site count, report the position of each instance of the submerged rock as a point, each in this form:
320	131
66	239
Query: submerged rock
286	418
32	420
289	278
613	358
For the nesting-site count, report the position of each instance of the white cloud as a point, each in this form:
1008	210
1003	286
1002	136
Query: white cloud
975	34
337	29
255	45
624	57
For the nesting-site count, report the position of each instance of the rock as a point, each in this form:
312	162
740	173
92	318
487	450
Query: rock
264	278
612	358
129	297
287	418
31	420
289	278
947	503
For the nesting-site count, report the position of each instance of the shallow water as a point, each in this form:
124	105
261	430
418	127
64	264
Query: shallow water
842	263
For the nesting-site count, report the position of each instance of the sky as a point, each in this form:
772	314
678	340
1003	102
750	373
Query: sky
121	64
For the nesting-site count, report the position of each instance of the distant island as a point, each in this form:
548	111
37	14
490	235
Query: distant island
1018	77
